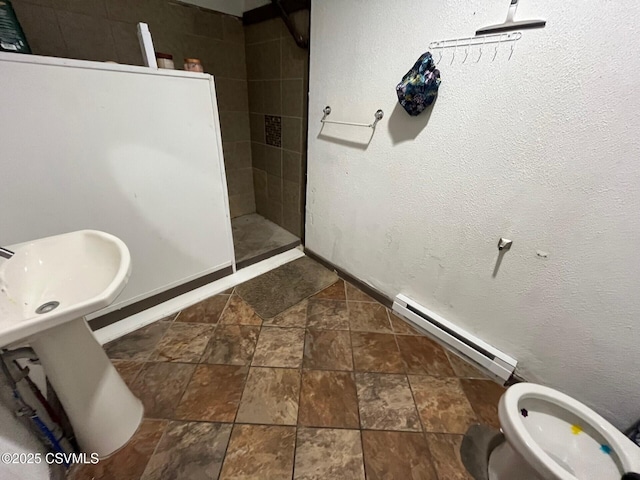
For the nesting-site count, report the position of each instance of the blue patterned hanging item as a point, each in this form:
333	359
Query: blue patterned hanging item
419	87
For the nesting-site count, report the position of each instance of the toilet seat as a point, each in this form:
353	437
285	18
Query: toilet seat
560	438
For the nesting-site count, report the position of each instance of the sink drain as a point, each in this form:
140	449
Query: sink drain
47	307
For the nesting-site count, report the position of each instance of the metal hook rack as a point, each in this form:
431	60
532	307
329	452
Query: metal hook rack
478	41
327	111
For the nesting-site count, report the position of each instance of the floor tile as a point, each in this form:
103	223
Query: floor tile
139	344
238	312
356	295
445	451
397	456
442	404
231	345
386	403
328	399
328	350
295	317
368	317
183	342
464	369
160	385
270	397
281	288
213	394
128	370
400	326
189	450
376	352
423	356
279	347
327	314
484	396
206	311
334	292
129	462
258	452
328	454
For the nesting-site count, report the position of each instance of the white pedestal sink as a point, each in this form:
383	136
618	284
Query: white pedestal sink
66	277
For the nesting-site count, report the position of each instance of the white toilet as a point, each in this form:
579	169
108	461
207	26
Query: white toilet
551	436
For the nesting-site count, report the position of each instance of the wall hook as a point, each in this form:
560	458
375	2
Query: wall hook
504	244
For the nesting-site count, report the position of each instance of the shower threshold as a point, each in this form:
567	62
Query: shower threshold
255	238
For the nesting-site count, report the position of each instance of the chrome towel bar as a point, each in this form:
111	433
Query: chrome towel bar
327	110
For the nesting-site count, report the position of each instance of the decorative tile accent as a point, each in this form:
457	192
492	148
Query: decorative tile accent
273	130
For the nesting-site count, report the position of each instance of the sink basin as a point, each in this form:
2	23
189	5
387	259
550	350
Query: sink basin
66	276
46	290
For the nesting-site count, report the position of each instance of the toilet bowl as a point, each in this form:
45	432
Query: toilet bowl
551	436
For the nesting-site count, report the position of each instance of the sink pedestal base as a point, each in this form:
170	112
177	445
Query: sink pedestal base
101	408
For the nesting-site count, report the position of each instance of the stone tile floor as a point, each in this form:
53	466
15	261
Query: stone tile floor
336	387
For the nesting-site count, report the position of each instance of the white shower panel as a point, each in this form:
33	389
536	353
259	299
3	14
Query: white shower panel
132	151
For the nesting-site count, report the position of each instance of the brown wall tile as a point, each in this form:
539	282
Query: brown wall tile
291	166
232	94
274	188
127	44
40	26
257	128
293	98
232	30
86	37
264	31
292	134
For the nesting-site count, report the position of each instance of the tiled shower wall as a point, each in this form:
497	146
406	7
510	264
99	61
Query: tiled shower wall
106	30
277	71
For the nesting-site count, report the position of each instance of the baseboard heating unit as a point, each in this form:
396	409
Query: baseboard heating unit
462	342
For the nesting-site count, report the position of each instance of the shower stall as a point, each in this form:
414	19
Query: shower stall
267	196
261	78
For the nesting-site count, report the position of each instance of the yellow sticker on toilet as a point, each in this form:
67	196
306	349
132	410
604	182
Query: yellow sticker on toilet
576	429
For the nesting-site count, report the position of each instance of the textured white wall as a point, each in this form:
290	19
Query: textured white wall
543	149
